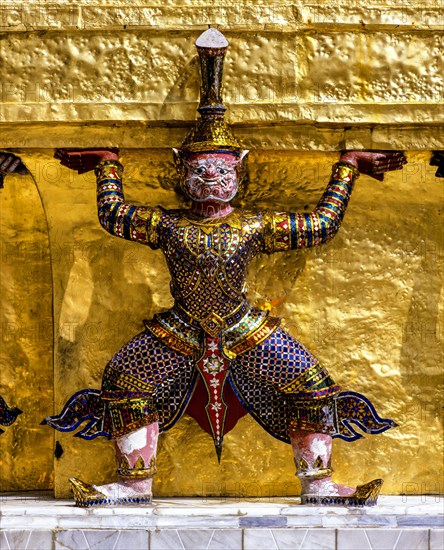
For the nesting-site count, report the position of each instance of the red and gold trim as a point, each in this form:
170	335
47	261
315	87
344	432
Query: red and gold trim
313	416
128	412
125	381
212	326
170	339
257	336
312	385
287	230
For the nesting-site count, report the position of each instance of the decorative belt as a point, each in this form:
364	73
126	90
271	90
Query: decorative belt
213	319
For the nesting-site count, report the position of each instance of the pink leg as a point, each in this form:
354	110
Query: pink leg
136	464
312	455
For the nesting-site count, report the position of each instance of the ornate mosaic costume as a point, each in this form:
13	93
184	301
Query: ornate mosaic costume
213	355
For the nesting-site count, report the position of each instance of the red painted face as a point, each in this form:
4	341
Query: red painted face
211	176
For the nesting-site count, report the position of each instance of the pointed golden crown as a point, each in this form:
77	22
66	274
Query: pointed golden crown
211	132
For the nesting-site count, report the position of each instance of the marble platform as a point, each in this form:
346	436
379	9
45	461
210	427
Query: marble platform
38	522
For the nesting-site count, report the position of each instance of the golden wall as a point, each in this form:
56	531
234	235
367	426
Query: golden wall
301	83
26	336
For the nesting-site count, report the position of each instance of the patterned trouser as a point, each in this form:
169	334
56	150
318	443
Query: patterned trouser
278	382
146	380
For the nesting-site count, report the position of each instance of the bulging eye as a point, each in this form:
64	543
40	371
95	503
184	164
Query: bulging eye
222	171
200	170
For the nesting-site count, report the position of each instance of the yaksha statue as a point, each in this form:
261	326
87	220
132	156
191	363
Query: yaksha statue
213	355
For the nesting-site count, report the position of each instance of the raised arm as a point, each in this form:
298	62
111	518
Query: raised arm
288	230
119	218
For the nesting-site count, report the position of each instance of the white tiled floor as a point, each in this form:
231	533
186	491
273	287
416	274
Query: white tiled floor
30	522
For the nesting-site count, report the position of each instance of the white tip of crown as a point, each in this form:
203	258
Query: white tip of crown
211	38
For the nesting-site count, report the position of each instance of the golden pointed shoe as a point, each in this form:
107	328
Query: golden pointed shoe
87	496
364	495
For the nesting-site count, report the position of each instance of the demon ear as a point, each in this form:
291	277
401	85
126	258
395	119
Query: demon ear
243	154
177	155
180	159
180	162
240	160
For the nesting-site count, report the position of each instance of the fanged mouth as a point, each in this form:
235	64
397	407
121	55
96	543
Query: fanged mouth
212	198
211	182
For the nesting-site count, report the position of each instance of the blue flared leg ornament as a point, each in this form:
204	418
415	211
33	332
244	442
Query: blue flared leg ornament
84	406
354	409
8	415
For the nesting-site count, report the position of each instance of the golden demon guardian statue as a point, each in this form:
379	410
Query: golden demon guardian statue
213	355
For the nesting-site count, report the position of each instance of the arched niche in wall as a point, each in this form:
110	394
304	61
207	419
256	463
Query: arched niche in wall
26	336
